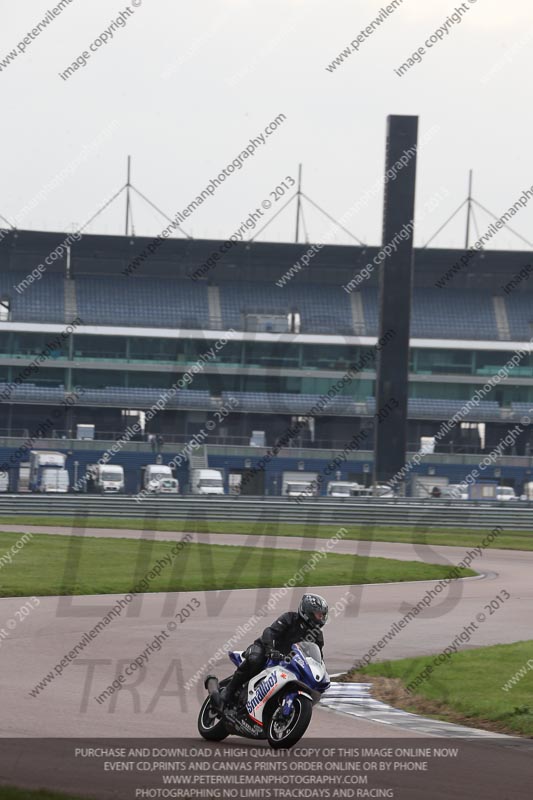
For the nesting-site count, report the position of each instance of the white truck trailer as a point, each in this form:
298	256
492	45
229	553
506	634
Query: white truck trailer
206	482
105	478
47	471
154	475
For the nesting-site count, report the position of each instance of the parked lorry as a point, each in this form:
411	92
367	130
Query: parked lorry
47	471
342	488
382	490
168	486
105	478
300	489
362	491
154	474
296	484
429	486
527	492
455	491
505	493
206	482
22	480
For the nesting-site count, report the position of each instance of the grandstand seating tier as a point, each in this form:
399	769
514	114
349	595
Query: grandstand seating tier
323	308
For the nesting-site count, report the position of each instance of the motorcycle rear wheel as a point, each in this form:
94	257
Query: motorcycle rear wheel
210	724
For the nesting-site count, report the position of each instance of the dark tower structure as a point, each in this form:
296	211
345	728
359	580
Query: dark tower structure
395	291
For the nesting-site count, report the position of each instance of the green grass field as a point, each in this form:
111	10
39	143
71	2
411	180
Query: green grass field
467	537
55	564
468	687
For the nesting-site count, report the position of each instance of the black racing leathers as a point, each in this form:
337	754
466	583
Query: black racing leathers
288	629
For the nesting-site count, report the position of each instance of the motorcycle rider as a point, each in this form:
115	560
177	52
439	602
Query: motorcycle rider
275	642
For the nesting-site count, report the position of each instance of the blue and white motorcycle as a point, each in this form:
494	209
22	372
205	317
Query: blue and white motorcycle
277	704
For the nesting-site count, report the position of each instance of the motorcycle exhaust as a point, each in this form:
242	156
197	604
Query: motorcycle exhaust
211	684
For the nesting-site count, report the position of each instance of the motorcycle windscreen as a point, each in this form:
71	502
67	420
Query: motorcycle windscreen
311	650
315	665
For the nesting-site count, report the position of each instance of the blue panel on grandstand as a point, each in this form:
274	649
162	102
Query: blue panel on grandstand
110	396
486	409
442	314
292	403
158	302
323	309
30	393
519	410
39	301
454	314
145	397
164	302
520	315
445	409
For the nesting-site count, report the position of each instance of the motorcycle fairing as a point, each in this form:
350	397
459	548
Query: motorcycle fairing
236	657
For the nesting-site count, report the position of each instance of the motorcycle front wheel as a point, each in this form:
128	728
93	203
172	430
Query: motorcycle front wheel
210	724
285	731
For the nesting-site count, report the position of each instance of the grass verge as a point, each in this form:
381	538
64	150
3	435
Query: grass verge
418	534
51	564
489	687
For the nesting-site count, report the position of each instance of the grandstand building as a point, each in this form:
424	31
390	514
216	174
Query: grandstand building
115	339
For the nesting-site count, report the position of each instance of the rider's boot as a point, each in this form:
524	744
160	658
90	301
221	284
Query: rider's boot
230	691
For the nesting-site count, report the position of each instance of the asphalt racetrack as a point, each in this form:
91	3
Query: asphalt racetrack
153	701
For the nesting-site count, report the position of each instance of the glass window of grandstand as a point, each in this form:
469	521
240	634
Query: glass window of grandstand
271	354
23	345
230	353
442	391
488	363
442	362
102	379
331	357
357	389
6	346
150	349
45	377
98	378
99	348
514	394
150	380
271	384
289	355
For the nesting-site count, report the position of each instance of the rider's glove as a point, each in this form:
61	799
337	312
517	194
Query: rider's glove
275	655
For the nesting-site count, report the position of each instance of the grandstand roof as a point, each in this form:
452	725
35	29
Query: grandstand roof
22	251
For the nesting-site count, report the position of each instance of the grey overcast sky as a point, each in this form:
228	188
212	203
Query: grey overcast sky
184	86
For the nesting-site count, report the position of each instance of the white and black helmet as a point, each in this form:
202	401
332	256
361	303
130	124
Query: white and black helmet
313	609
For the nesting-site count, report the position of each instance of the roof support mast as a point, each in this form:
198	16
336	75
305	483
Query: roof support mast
128	200
298	203
468	210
